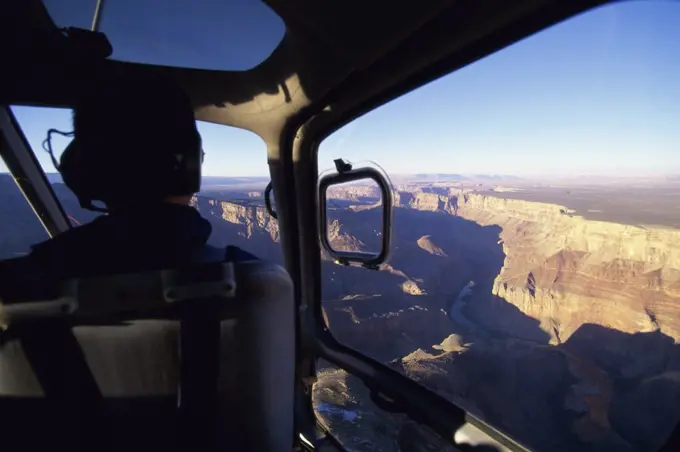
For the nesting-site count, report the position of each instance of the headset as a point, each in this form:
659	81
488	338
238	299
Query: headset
91	177
182	174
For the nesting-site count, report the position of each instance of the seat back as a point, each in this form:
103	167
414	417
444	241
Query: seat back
135	360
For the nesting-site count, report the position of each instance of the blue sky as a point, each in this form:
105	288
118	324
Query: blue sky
598	94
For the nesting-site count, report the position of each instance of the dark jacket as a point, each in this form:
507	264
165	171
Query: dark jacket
163	236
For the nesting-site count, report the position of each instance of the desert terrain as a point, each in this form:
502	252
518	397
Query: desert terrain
550	309
558	324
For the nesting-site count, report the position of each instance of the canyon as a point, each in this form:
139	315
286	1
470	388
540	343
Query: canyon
558	329
567	336
565	341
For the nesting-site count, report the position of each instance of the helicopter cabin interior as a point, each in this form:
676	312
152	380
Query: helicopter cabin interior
222	355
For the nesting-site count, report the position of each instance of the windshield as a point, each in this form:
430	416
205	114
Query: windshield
534	278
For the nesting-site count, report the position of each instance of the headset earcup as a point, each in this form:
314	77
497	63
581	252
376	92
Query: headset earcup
69	165
194	162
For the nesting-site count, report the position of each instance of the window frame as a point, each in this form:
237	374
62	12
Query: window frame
29	175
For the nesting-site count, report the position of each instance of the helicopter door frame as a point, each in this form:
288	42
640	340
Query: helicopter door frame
29	176
372	88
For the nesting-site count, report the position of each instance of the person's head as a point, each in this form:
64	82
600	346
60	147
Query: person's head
135	142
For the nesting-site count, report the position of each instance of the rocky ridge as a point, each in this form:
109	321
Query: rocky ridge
567	271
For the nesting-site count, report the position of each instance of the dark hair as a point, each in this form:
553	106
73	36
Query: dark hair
129	133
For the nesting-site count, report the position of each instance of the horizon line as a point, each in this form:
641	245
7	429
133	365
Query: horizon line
463	174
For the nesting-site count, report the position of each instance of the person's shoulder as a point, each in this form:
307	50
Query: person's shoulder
64	255
230	253
21	274
15	265
236	254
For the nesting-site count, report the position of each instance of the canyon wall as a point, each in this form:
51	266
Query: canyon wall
249	227
568	271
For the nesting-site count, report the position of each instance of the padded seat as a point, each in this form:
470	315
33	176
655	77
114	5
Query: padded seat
136	365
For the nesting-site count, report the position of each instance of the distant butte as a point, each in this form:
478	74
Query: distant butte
426	243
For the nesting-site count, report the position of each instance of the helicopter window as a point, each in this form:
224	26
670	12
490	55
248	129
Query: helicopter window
235	174
178	33
232	197
534	269
20	227
344	408
34	123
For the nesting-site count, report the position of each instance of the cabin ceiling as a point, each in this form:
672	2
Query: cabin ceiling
334	53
